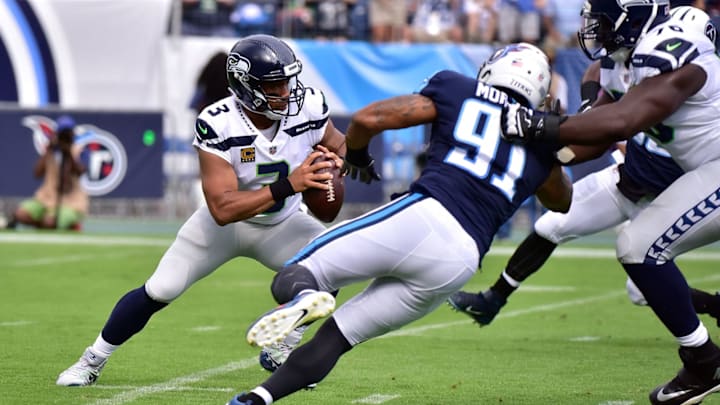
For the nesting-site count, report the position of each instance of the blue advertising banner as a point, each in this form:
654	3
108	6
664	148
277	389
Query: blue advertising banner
122	151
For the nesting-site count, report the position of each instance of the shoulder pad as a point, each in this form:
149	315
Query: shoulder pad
667	47
315	107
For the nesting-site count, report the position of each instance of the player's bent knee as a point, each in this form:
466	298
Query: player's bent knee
162	293
627	249
549	226
291	280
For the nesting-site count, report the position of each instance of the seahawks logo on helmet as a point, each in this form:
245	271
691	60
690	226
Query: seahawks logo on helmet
238	65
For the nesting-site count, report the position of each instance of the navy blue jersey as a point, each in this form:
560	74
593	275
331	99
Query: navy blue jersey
478	176
649	165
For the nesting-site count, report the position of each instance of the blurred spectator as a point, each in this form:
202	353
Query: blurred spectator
207	17
520	21
562	21
712	7
388	20
255	17
437	21
359	24
60	202
480	20
694	3
296	20
331	18
558	84
211	84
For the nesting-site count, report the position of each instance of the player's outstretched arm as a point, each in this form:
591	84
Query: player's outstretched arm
392	113
642	107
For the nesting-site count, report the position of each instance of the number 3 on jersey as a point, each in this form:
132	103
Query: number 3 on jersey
479	125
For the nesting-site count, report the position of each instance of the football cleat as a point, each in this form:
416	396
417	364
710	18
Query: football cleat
684	389
273	356
482	307
240	399
706	303
275	325
84	372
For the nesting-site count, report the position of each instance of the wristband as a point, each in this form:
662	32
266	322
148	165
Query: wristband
281	189
551	129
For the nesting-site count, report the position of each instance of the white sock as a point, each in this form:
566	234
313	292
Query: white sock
510	280
695	339
103	348
264	394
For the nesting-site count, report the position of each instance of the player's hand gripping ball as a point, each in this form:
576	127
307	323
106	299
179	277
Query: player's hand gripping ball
325	204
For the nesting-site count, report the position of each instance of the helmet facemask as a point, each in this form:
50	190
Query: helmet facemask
617	26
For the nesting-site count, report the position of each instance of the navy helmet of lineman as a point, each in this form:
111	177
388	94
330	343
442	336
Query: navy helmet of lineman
617	25
258	59
520	69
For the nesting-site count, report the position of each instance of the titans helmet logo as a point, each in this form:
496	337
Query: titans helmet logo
102	153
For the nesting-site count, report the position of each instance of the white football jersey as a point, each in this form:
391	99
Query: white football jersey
616	79
692	133
223	129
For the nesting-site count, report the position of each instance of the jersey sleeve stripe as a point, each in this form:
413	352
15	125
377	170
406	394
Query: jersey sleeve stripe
231	143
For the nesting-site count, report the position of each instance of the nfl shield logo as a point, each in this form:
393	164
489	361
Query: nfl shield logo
273	149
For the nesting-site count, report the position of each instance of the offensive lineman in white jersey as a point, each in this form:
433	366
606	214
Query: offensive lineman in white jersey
674	95
255	149
602	199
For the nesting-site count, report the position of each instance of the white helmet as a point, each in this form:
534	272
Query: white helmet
696	19
522	69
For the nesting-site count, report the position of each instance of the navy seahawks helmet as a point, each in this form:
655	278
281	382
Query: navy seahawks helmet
256	59
617	25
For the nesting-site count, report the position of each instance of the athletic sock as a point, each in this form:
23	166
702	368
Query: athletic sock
667	293
131	313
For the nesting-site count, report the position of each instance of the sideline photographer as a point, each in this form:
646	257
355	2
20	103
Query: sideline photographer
60	202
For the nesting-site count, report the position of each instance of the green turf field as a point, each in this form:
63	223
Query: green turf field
569	336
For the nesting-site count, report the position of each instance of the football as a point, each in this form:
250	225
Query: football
325	204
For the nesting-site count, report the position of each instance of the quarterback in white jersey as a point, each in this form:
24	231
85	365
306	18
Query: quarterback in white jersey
256	150
674	96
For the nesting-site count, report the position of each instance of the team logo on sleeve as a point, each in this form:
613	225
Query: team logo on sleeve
247	155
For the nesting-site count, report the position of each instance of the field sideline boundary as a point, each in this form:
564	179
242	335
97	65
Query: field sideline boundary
70	239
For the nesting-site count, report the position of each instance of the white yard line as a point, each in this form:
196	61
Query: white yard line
52	260
172	385
70	239
375	399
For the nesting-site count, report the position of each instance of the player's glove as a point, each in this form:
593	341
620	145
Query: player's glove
358	164
521	125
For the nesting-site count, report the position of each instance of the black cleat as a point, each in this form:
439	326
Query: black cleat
698	378
482	307
684	389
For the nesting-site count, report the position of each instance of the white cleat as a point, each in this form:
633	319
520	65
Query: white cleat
84	372
274	326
